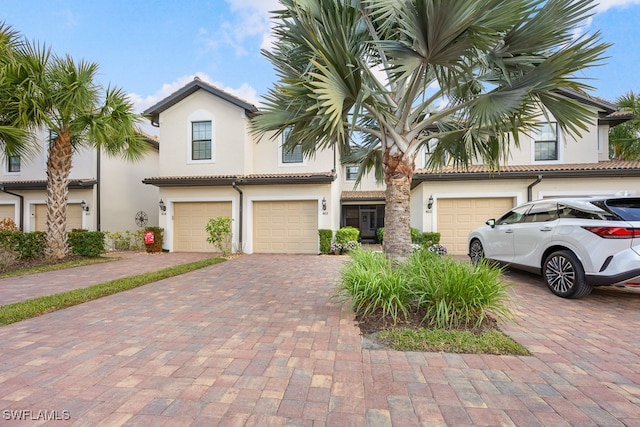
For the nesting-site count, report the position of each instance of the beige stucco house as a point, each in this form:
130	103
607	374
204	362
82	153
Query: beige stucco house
210	165
105	193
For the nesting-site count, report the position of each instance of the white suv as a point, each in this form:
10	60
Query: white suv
574	243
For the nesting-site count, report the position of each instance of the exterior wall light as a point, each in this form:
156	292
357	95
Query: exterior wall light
430	203
162	206
324	204
84	206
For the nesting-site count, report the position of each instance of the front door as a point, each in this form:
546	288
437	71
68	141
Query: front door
368	224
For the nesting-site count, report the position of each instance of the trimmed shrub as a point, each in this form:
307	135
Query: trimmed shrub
347	234
380	234
25	245
86	243
158	238
326	236
125	240
430	238
416	236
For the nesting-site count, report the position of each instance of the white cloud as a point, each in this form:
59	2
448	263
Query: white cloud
604	5
245	92
248	20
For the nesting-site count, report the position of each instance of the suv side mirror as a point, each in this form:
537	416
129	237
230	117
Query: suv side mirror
491	222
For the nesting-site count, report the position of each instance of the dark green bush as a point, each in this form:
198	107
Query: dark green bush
86	243
347	234
416	236
430	238
380	234
26	245
158	233
325	240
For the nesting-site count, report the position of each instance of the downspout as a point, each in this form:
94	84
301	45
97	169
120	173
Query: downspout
233	184
530	188
98	191
21	205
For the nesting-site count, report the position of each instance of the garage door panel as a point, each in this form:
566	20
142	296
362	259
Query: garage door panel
285	226
74	217
457	217
189	224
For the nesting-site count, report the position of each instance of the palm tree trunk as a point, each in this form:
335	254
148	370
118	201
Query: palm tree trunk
58	169
398	174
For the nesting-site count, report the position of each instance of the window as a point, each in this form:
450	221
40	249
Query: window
513	216
546	142
201	140
13	164
293	155
542	212
352	172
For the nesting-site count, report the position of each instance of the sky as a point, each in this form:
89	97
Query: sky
151	48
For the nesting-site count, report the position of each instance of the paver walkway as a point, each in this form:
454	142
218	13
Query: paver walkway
257	341
22	288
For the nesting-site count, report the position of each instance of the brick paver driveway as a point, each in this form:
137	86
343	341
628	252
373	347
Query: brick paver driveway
257	341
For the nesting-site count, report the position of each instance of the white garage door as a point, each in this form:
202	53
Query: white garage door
285	227
189	224
457	217
74	217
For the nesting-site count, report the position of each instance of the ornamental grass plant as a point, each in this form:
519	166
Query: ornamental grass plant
449	294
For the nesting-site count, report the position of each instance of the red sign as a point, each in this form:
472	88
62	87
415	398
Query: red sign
149	238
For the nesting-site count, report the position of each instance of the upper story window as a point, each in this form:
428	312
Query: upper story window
201	144
13	164
351	172
429	150
291	156
546	141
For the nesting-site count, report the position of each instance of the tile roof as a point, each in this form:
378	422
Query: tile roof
249	179
605	168
42	184
362	195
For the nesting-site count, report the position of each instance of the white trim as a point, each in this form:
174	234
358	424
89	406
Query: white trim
583	193
560	143
249	208
200	116
168	228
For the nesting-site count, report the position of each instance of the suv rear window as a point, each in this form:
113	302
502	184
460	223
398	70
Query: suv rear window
628	208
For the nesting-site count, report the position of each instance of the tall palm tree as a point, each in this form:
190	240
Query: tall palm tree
59	94
11	137
624	139
380	79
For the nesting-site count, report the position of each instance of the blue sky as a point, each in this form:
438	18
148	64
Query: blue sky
150	48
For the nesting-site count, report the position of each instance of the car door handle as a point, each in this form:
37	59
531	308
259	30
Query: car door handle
509	231
546	229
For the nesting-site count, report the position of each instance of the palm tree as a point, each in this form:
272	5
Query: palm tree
381	79
56	93
624	139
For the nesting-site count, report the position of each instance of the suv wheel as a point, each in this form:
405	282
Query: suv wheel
564	275
476	251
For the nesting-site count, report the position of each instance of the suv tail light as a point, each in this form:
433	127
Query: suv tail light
614	232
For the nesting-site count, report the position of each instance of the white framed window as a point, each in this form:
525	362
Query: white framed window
545	142
201	144
351	172
13	164
290	157
201	140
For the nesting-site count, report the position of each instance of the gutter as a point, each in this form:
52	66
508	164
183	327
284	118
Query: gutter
530	188
21	205
233	184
